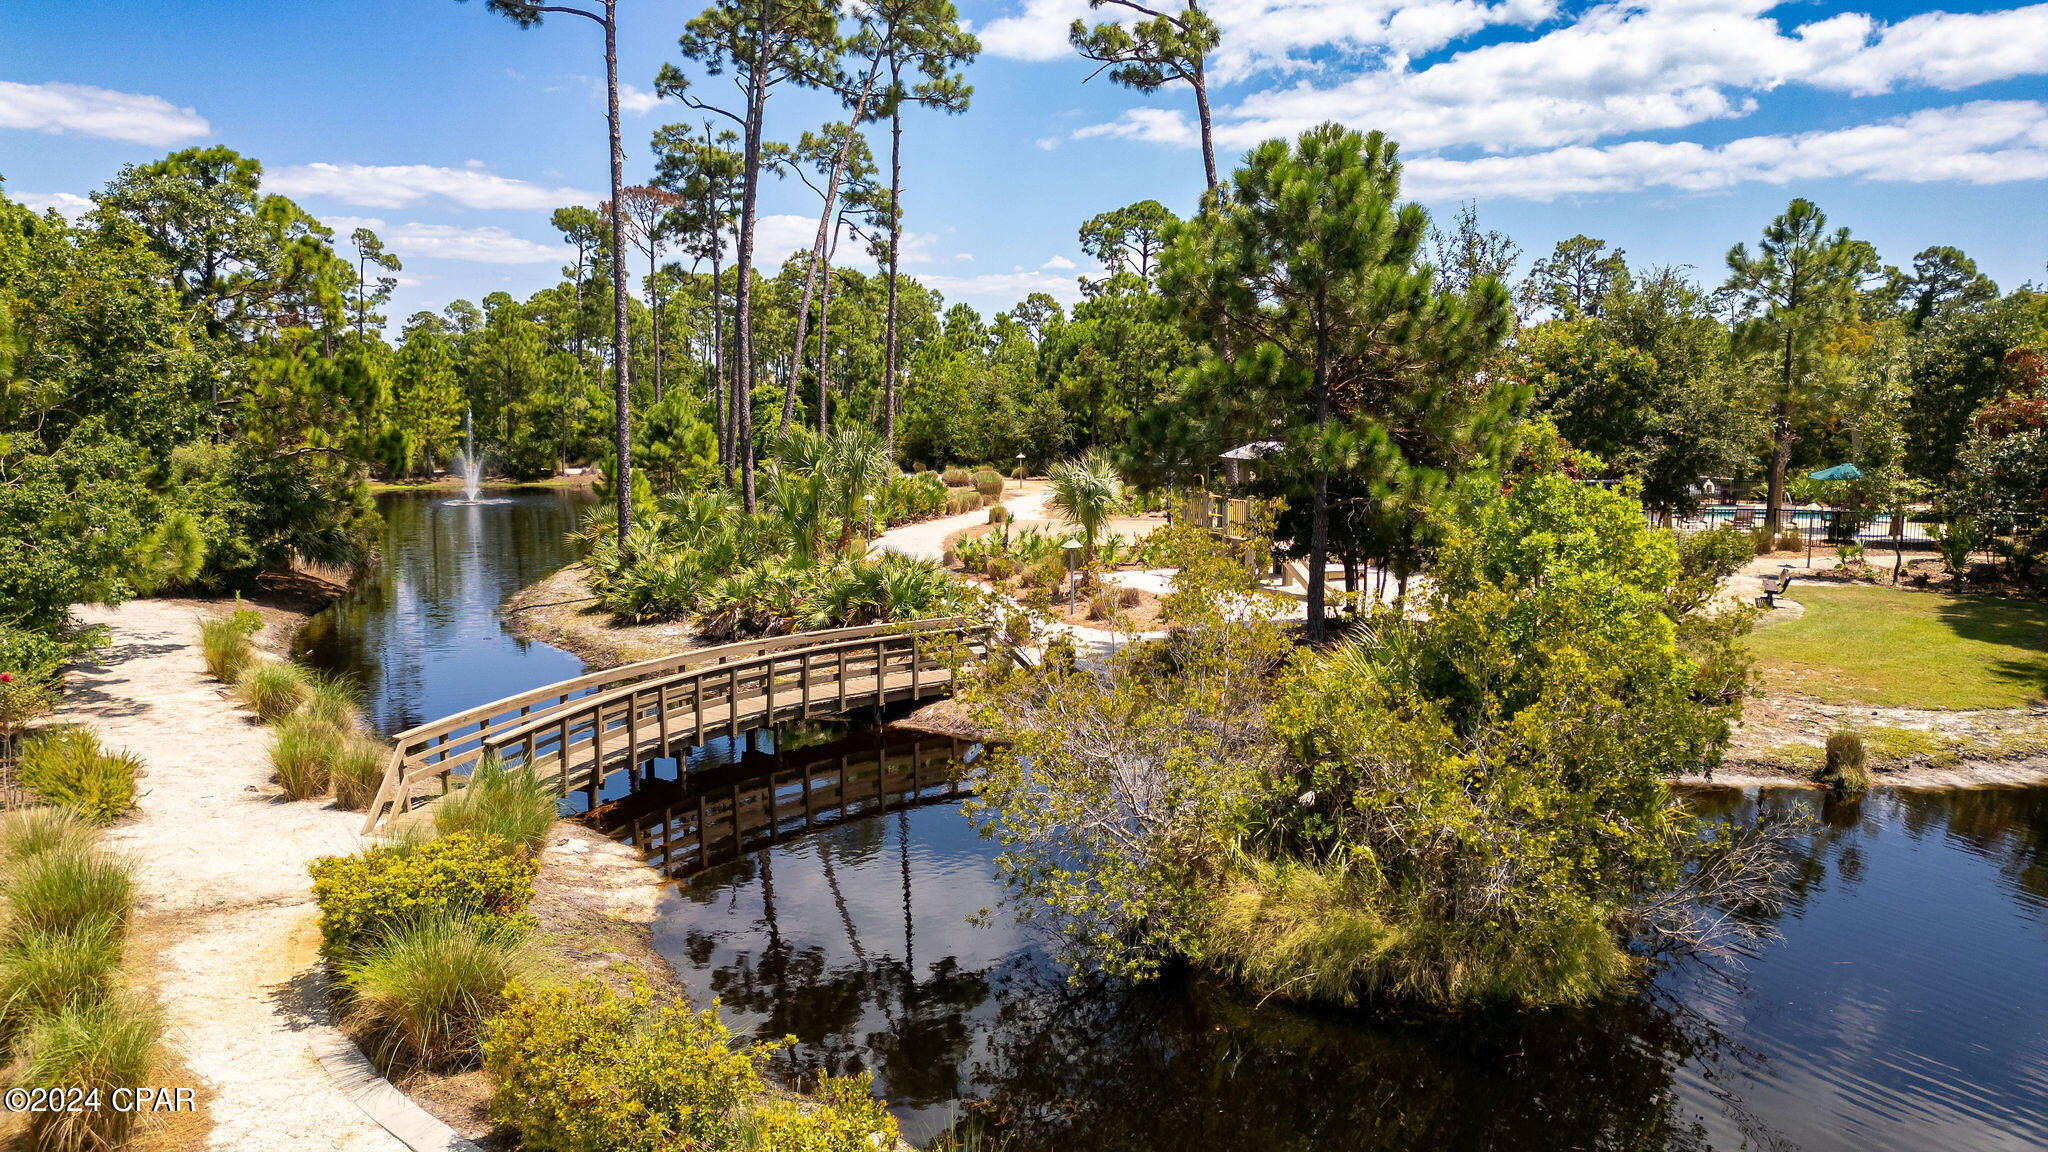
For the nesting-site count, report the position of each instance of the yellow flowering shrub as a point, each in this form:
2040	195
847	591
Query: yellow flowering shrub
583	1069
464	875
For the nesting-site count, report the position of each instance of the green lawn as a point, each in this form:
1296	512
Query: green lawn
1890	648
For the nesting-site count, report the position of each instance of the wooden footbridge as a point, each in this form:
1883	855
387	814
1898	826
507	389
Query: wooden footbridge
577	732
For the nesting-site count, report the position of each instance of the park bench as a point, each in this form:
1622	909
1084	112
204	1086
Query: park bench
1774	587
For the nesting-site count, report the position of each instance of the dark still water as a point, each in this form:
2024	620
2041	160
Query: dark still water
421	634
1905	1008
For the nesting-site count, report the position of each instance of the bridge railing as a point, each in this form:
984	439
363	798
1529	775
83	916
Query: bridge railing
579	729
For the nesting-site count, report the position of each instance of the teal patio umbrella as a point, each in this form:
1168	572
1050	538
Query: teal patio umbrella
1838	472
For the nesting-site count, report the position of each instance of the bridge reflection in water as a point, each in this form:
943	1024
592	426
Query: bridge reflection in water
692	820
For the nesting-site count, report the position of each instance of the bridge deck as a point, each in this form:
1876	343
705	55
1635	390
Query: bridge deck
577	732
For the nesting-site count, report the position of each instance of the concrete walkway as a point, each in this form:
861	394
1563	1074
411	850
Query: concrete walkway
223	894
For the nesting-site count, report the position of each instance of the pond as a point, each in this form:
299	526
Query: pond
1905	1007
422	635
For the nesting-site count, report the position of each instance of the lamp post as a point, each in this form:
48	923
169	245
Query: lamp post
1020	471
868	502
1072	548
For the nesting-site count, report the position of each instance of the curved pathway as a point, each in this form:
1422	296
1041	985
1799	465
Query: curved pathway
926	539
225	906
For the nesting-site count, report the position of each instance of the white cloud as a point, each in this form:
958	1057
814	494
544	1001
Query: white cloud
1048	143
1058	264
401	185
451	242
83	110
1987	142
68	205
1282	35
1621	67
1005	286
636	101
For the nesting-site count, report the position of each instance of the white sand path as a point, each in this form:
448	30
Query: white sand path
223	884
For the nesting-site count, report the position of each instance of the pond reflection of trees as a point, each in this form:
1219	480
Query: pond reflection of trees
1039	1062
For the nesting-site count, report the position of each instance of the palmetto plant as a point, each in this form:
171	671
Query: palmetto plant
855	465
1086	491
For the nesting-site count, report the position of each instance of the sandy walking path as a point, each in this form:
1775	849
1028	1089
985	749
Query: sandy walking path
223	888
926	539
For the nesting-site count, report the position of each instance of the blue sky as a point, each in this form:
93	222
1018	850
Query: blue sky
1672	128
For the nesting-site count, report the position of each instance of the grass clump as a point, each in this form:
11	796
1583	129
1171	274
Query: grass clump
332	700
28	832
68	890
1844	772
425	992
96	1047
67	766
304	755
274	689
516	807
43	971
357	774
226	645
1311	933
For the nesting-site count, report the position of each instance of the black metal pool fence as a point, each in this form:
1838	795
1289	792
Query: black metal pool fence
1841	526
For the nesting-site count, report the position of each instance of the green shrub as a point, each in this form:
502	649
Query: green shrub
958	478
64	890
997	514
1844	772
387	888
1791	540
516	807
27	832
225	644
101	1048
304	754
357	773
274	689
841	1116
68	766
43	971
582	1069
425	992
1000	568
988	482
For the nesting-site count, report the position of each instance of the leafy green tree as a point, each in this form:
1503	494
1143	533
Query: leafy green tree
1163	47
604	13
1129	239
1313	259
1115	358
922	43
1466	253
427	399
1801	281
1942	278
1574	278
370	250
704	170
765	44
1958	359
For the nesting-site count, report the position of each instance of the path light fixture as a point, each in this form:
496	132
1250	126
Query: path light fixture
1020	471
1072	548
868	501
